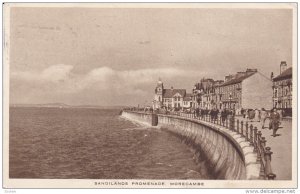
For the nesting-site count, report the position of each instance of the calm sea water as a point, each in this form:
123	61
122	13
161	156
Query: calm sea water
93	144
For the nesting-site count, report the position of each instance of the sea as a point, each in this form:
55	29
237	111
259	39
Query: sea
91	143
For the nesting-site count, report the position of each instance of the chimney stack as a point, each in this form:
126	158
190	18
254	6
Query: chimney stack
283	66
228	78
272	75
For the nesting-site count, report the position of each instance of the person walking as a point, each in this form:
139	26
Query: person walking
251	115
256	112
223	116
275	121
264	116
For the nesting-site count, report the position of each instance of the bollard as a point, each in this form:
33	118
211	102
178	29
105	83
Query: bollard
268	169
251	135
255	139
154	119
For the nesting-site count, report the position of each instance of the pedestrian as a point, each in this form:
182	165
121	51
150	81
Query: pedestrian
274	121
223	115
251	115
264	116
257	115
197	112
216	114
243	112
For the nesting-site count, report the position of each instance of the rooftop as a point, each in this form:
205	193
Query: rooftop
288	73
169	93
237	80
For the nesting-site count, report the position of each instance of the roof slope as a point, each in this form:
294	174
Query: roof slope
284	75
169	93
237	80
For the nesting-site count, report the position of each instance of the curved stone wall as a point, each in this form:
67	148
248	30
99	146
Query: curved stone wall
226	154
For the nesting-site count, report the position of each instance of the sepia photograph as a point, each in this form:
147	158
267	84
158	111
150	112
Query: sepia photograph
150	95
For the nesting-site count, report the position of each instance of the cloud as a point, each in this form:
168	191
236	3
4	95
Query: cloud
54	73
99	83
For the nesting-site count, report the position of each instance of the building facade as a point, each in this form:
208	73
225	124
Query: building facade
187	101
205	95
246	90
282	88
171	98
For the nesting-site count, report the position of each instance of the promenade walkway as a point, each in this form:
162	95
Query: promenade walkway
281	147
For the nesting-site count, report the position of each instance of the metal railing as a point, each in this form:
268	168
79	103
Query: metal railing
249	132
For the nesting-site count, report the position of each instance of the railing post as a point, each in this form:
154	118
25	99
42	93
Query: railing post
268	169
263	142
251	135
232	123
255	139
242	130
259	146
247	131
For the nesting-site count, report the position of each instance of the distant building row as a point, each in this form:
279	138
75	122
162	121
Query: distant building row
244	90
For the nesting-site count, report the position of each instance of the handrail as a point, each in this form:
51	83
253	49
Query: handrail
251	134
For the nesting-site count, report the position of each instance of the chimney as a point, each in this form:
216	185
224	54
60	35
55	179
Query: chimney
272	75
283	66
228	78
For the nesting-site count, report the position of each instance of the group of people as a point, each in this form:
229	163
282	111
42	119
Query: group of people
252	115
213	113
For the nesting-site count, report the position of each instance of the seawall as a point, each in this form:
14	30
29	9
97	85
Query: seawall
226	154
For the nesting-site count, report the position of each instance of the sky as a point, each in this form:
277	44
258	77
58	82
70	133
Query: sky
115	56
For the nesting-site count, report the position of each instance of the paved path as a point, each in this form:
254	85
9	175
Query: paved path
281	146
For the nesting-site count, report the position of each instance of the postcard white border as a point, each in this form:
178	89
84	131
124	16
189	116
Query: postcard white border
90	183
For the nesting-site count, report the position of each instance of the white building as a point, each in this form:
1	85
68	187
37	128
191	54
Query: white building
171	98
